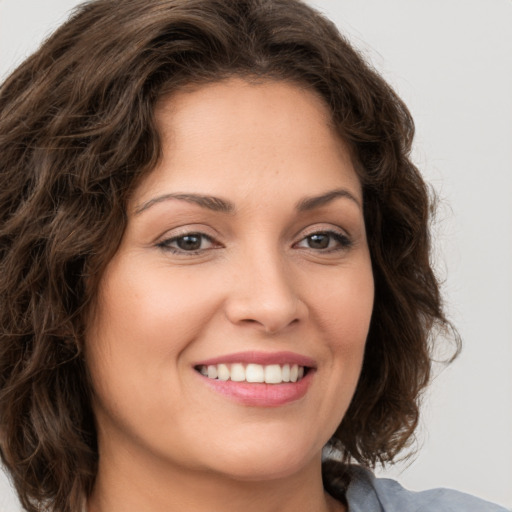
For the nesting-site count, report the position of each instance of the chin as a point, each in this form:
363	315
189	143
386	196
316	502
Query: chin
268	461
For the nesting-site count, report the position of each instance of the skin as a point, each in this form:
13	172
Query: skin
258	281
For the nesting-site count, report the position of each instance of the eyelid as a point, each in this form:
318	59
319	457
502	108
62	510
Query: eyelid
187	229
324	228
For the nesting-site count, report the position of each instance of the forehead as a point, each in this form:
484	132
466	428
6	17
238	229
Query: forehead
258	108
244	135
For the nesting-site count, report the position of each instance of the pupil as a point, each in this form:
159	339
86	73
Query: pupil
189	242
319	241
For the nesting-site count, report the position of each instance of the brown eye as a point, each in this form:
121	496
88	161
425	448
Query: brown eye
191	243
319	241
325	241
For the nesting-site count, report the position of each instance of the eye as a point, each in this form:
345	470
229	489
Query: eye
325	241
192	243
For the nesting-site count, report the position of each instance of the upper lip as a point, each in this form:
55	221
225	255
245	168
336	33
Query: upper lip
263	358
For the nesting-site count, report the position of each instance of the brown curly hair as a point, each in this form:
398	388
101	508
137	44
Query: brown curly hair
77	134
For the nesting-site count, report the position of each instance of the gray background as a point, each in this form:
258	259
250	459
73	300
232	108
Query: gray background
451	60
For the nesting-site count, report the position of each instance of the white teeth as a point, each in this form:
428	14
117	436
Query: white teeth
255	373
223	372
237	372
294	373
212	371
273	374
270	374
285	372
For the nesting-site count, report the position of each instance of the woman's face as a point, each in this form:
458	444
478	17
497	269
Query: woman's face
245	256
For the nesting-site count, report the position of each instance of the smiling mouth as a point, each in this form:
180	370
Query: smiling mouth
254	373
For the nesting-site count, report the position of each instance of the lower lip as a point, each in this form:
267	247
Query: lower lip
261	394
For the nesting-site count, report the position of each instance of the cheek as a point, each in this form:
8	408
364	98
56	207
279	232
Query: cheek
344	308
144	321
143	310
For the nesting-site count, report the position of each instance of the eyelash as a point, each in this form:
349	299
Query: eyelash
166	244
343	242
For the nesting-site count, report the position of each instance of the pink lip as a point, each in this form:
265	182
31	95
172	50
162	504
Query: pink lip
261	394
263	358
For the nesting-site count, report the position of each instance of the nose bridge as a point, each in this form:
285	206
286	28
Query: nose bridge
264	290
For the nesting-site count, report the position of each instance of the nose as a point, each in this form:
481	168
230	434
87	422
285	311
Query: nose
263	293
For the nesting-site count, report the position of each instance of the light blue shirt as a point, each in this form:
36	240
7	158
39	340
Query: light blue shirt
366	493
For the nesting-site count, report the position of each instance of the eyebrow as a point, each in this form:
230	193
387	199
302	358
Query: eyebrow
209	202
217	204
310	203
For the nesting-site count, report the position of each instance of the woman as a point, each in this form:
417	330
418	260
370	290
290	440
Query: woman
215	264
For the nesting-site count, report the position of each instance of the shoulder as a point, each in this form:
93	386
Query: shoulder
366	493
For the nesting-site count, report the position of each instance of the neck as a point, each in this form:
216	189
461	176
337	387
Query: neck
132	486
